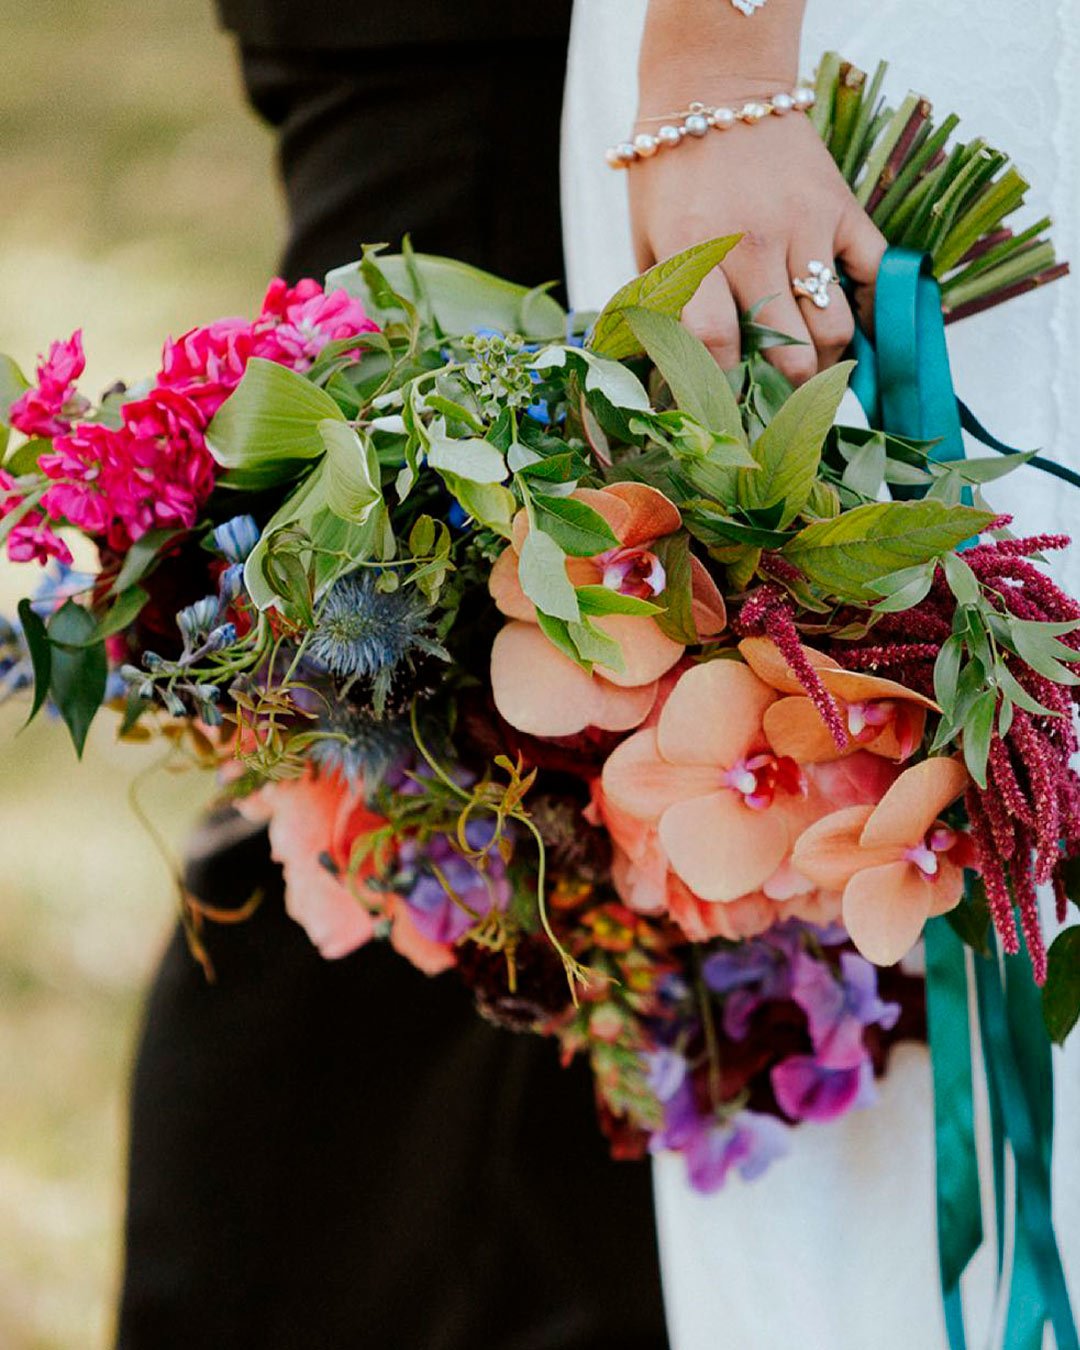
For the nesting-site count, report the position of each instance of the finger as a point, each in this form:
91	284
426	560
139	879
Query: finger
860	247
711	316
759	274
830	321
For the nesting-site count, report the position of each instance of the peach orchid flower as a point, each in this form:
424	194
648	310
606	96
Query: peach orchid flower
726	806
881	716
896	863
541	691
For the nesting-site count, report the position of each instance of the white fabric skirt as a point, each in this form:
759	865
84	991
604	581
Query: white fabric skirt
835	1248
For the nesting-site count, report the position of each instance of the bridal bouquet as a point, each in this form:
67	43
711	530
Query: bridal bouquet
553	654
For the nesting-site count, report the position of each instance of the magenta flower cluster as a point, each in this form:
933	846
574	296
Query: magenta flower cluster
154	469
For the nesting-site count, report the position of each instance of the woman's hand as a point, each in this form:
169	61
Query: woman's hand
774	183
777	185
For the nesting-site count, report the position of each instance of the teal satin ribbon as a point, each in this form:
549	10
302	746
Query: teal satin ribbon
905	386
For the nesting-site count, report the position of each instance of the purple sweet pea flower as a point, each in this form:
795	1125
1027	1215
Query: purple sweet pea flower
750	1143
838	1010
434	910
805	1089
749	975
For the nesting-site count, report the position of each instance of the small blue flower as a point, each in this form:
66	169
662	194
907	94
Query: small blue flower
198	619
231	584
221	637
237	537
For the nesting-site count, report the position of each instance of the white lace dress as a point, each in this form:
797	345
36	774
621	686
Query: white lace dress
834	1249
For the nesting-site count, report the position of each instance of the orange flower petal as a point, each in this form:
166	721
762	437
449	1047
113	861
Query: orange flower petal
714	715
614	510
853	686
405	938
505	588
710	613
332	917
890	744
638	782
538	689
651	515
948	887
519	528
885	909
648	653
914	802
767	662
720	848
829	852
619	709
794	727
701	920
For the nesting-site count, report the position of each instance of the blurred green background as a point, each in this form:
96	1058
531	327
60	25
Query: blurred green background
137	198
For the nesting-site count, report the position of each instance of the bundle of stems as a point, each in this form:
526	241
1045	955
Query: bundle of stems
951	200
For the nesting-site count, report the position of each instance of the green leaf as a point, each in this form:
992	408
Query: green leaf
352	474
1061	992
142	556
488	504
788	451
596	647
422	537
474	459
970	919
576	528
24	458
79	673
677	619
978	729
697	383
843	555
865	471
907	595
13	384
947	672
557	632
125	610
37	641
462	298
270	421
665	289
712	528
603	600
1013	690
542	573
1042	651
619	385
962	580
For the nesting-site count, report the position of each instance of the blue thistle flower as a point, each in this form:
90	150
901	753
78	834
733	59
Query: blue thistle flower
364	632
362	746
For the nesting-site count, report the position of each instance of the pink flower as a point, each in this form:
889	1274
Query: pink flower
33	539
50	408
206	364
298	321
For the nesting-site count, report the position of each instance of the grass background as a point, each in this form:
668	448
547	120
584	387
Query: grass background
137	198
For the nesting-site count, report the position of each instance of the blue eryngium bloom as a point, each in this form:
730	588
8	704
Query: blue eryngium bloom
237	537
362	632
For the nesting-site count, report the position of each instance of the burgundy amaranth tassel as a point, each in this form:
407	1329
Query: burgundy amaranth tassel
1002	825
1061	897
993	874
768	611
1004	776
1028	900
1042	767
889	654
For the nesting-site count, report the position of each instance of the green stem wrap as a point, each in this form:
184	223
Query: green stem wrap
905	387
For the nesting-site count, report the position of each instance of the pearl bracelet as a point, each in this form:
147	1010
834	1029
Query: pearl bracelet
699	118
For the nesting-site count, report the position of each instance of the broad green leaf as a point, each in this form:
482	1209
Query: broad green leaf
1043	652
1061	992
542	573
79	673
978	730
677	620
904	589
844	555
597	600
142	557
24	458
13	384
37	641
1011	687
489	504
788	451
865	470
575	527
947	672
711	528
474	459
665	289
352	474
962	580
557	632
462	298
422	537
270	420
970	919
125	610
619	385
697	383
596	647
